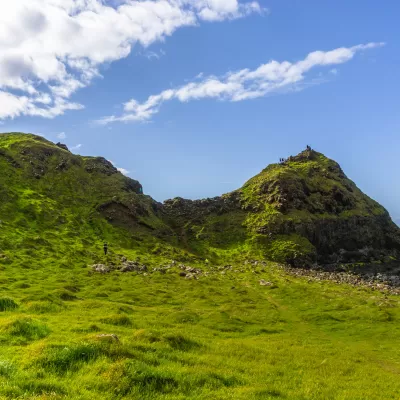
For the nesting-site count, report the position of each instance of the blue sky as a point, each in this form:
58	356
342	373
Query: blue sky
209	128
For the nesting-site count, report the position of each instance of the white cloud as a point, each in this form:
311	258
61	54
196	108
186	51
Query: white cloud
62	135
49	49
244	84
123	171
77	147
153	55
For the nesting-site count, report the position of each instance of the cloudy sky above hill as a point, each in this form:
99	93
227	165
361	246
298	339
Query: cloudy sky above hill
195	96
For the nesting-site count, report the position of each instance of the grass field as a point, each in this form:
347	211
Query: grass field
223	336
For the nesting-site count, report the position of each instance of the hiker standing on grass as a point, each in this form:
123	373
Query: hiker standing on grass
105	247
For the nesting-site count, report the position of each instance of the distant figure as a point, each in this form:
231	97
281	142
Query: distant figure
105	248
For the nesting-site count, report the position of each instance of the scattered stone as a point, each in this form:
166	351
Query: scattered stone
182	273
162	270
379	281
263	282
129	266
101	268
190	270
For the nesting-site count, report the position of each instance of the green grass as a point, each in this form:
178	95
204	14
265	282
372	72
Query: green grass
222	337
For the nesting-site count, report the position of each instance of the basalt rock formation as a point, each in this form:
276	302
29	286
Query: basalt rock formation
301	211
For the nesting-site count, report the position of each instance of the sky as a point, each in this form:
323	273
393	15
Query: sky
194	97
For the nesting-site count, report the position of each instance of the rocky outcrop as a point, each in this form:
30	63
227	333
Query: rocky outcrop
62	146
306	209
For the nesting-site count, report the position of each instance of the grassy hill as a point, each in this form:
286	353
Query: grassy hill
300	211
226	328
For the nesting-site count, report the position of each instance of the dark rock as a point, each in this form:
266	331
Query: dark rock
130	266
62	146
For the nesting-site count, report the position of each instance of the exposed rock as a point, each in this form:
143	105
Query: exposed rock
129	266
263	282
99	164
63	165
101	268
303	210
374	281
62	146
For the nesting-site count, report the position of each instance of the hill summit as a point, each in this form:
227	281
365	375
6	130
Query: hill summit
58	206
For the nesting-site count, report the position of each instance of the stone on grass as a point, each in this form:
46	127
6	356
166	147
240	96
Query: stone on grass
109	336
263	282
101	268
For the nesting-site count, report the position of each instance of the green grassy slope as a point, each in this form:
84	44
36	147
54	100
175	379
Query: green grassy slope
223	336
56	207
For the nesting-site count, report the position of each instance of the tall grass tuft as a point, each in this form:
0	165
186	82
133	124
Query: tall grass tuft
27	329
7	304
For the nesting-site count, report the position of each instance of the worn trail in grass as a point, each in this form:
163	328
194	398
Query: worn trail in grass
220	337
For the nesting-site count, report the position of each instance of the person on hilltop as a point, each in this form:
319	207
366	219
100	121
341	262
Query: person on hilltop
105	247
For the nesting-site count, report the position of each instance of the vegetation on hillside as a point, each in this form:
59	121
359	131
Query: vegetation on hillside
247	330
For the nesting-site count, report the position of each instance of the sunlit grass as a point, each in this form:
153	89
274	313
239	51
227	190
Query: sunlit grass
220	337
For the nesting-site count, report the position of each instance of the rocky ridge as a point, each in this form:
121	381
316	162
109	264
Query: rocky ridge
302	211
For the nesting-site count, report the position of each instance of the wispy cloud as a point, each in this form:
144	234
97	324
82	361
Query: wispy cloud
62	135
52	48
77	147
153	55
245	84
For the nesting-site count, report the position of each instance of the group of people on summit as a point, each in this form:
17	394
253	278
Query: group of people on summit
283	160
